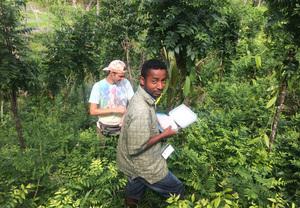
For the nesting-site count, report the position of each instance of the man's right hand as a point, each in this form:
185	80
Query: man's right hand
169	132
166	133
120	109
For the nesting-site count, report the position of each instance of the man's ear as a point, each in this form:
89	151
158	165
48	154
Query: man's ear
109	73
142	81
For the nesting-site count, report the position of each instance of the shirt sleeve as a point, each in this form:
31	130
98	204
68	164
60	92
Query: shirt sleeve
138	133
95	94
129	90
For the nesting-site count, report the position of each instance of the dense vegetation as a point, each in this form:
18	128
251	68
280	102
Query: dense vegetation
235	63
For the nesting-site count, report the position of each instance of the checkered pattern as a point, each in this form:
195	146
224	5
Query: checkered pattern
140	123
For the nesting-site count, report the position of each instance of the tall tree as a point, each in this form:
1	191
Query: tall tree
187	27
121	26
189	30
74	53
16	71
284	28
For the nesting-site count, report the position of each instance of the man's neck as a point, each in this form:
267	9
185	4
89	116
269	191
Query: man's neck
109	79
148	92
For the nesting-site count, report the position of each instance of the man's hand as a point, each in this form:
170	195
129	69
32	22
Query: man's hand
96	111
120	109
166	133
169	132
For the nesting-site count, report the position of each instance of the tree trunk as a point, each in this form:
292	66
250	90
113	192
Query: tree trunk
281	98
97	7
181	63
83	94
74	3
128	66
126	46
259	3
2	111
14	109
88	7
85	103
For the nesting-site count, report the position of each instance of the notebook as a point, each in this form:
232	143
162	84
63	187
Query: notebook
180	117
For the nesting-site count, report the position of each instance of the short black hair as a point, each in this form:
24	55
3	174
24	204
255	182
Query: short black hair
152	64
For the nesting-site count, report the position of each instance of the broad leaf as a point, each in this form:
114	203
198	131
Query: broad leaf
187	86
271	102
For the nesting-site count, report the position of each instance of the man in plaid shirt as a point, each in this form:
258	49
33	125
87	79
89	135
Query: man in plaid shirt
139	152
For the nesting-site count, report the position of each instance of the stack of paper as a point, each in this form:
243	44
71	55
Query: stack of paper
179	117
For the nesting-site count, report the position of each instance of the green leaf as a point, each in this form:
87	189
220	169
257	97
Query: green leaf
193	198
266	140
258	61
85	198
227	190
22	195
187	86
272	200
271	102
272	88
177	49
216	202
228	202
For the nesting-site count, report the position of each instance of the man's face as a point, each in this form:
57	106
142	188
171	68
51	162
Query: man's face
155	82
117	76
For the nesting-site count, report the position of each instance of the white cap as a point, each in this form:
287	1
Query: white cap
116	66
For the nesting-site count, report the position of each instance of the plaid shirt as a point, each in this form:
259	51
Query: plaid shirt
140	124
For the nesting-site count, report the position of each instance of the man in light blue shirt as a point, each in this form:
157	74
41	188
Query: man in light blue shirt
109	98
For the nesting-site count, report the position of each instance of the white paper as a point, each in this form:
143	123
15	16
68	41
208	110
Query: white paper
183	116
167	151
165	121
179	117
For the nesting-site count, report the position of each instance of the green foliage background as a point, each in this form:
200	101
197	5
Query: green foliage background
226	61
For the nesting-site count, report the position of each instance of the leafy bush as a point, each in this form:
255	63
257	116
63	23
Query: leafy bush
226	150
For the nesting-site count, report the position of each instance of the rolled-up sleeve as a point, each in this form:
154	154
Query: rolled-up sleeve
95	94
138	133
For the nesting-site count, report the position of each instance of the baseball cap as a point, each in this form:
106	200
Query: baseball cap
116	66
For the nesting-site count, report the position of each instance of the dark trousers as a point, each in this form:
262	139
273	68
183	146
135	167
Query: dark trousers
135	188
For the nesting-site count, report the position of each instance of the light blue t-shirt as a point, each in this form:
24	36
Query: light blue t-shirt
108	95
